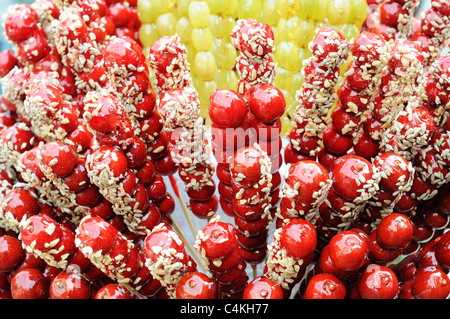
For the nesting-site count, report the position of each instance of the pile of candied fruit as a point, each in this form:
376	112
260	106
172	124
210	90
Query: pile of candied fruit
102	140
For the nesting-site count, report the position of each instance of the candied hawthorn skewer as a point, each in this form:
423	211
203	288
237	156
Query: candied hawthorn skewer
394	176
166	258
179	107
361	80
255	63
229	123
399	82
251	181
433	30
290	253
79	48
352	186
266	105
119	167
24	31
317	95
115	255
305	188
436	84
392	19
218	245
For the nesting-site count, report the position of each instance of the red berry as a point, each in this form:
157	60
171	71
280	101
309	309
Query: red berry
378	282
113	291
324	286
227	108
247	167
430	283
69	285
348	250
443	250
60	157
334	142
390	13
21	23
112	158
196	285
308	177
29	283
7	62
395	231
262	288
350	173
378	254
11	253
299	238
122	56
219	241
266	102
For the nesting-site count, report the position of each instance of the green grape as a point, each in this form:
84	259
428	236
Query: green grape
165	24
338	11
304	8
201	39
184	29
358	12
204	66
287	55
249	9
226	79
297	82
229	7
229	24
350	31
224	53
287	29
190	52
147	12
318	10
287	8
306	32
215	6
269	13
148	34
216	26
283	79
199	14
163	6
183	7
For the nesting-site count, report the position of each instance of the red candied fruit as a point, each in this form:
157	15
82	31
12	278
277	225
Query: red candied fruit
266	102
348	250
221	240
262	288
430	283
196	285
299	238
247	168
69	285
350	174
113	291
60	157
395	231
307	177
29	283
227	108
11	253
324	286
378	282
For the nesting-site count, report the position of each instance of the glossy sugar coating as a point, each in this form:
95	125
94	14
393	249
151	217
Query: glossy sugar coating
212	56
